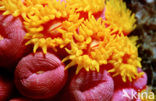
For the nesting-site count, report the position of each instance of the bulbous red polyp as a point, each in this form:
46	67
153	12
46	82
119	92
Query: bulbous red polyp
40	76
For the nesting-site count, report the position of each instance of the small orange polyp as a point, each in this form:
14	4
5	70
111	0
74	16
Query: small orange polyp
1	37
40	72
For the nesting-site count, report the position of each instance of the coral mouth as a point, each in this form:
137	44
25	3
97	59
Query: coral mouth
3	34
50	29
1	37
55	26
40	72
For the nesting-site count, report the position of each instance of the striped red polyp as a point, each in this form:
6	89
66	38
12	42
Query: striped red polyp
40	76
87	86
11	47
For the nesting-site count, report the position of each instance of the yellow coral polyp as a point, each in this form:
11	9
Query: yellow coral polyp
65	28
118	17
82	61
39	13
125	58
92	6
89	49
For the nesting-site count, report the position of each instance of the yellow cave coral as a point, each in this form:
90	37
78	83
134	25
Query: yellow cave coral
93	41
89	49
58	34
44	21
118	17
125	58
94	46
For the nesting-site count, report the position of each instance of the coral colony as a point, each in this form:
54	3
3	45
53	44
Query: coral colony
93	35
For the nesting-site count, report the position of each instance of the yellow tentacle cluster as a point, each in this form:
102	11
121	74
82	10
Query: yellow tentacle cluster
95	45
14	7
93	41
88	49
118	17
91	6
125	58
36	14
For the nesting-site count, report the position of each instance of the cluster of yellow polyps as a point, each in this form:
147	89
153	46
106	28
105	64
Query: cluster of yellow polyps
89	49
94	42
125	58
116	10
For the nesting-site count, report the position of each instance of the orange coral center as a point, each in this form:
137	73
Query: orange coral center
94	44
1	37
53	28
125	58
50	29
40	72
